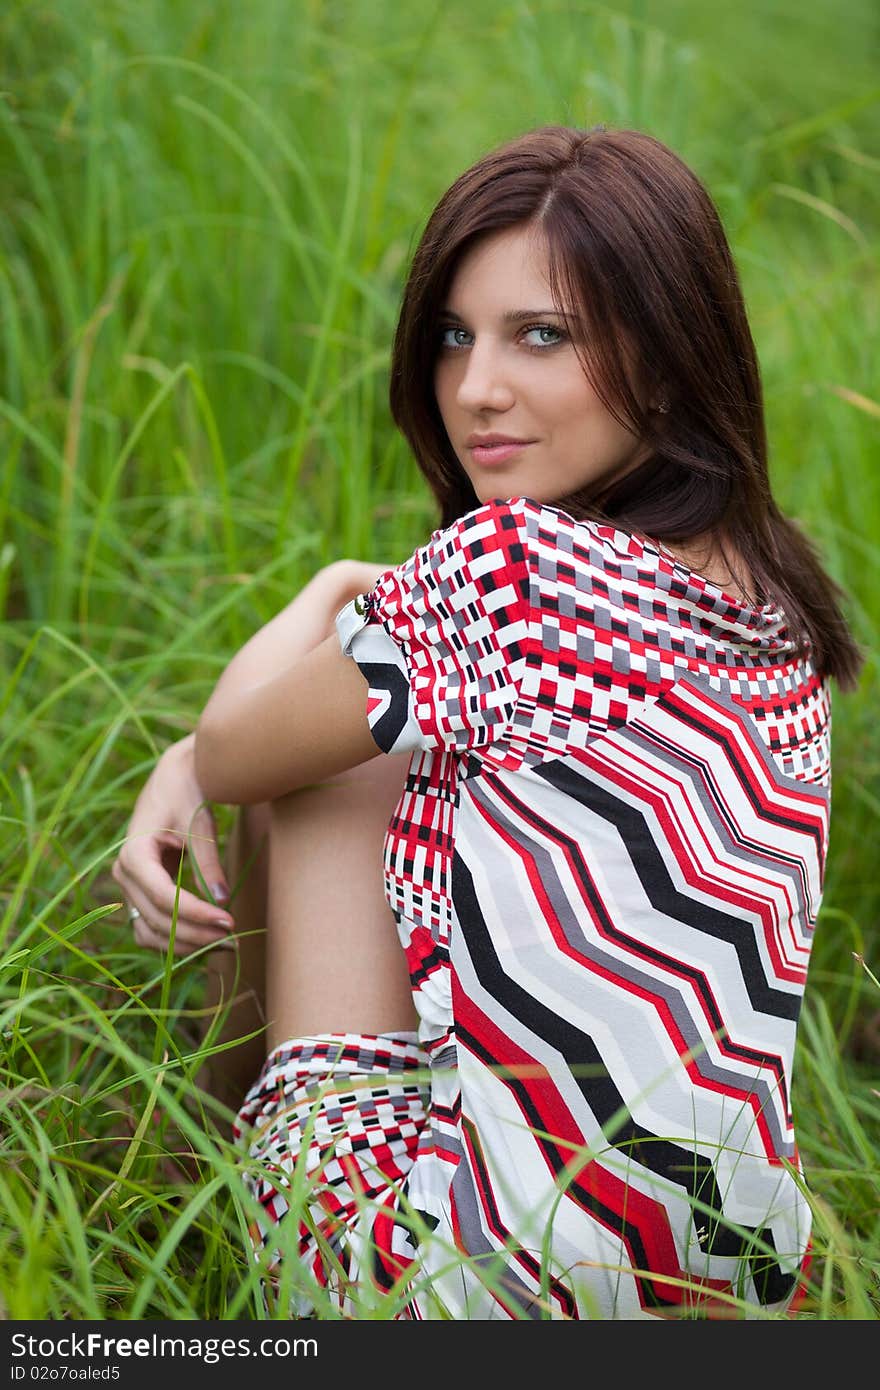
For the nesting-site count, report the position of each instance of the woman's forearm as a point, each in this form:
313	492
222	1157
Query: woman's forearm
300	626
243	752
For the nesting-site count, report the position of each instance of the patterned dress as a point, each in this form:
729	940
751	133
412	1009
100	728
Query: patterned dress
605	870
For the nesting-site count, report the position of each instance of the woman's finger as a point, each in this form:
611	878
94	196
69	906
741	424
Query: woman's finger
153	940
189	933
187	938
155	931
202	845
148	886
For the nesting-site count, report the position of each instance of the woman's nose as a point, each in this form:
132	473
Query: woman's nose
486	381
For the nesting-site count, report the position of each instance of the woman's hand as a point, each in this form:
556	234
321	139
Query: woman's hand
170	817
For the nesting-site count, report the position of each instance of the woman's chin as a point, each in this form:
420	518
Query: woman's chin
501	484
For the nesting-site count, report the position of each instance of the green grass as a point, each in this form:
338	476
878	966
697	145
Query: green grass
208	212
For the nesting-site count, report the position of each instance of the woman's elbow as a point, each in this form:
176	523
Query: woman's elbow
234	768
209	763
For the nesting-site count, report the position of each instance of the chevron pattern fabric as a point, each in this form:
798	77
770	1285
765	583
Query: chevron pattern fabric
606	868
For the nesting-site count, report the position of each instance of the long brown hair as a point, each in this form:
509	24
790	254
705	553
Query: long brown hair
637	251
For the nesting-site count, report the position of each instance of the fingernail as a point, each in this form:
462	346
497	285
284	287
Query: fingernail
227	942
221	892
223	923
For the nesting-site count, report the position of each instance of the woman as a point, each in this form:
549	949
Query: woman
600	692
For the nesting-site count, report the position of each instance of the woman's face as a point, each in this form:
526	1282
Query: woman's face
507	366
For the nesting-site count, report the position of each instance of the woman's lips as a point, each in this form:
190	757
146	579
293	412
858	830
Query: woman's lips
496	453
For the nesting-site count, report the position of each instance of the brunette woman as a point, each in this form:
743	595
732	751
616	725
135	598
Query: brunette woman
537	819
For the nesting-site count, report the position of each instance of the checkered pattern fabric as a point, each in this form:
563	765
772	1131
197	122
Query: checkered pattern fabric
606	869
332	1125
519	634
458	614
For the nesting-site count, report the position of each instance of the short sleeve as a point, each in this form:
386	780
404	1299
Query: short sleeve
441	640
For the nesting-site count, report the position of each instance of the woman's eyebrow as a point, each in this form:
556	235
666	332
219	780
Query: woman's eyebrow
513	315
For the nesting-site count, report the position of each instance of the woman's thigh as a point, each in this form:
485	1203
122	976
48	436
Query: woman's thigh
334	960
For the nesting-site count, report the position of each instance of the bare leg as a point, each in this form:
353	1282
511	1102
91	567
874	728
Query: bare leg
318	950
309	904
335	963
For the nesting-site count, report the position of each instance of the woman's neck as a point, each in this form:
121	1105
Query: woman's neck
715	559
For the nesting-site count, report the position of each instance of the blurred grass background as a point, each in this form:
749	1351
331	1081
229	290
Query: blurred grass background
208	210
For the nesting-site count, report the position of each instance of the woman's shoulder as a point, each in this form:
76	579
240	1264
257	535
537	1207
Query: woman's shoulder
540	547
540	522
554	541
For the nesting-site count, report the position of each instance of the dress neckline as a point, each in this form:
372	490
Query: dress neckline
702	592
702	581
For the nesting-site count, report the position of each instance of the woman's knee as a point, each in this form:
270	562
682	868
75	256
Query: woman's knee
247	852
375	785
255	821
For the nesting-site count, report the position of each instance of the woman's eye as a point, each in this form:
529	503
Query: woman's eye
540	328
546	328
451	329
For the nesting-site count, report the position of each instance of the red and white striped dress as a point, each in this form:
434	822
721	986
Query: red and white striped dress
605	868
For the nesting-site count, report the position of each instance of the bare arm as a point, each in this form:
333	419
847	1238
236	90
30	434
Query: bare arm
274	722
171	817
305	622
